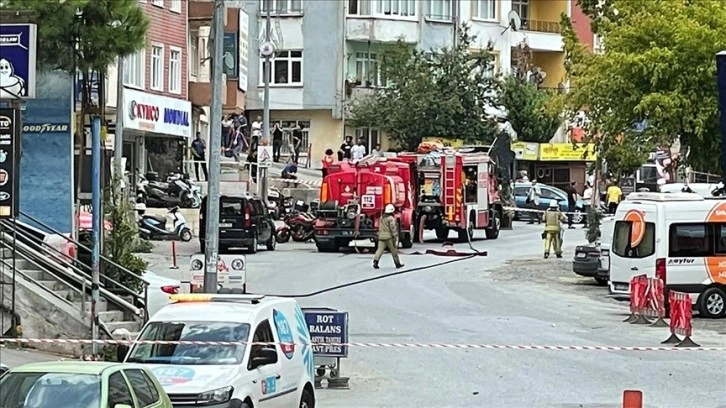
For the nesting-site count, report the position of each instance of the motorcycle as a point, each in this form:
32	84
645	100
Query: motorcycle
154	227
301	226
141	195
282	233
178	190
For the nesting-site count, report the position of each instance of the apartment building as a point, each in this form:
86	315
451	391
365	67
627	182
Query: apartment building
327	52
157	114
236	49
581	25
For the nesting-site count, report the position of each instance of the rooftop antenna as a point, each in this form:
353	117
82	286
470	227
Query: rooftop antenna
513	21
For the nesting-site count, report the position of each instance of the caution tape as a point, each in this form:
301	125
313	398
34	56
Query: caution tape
32	341
532	210
298	181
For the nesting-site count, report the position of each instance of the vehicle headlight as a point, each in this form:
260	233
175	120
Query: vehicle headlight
216	396
428	208
351	215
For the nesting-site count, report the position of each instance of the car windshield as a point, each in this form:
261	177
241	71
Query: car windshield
191	354
50	390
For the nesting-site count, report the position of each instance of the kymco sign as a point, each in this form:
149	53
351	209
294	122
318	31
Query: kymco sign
157	114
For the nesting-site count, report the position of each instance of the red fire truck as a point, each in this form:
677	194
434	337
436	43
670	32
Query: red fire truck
353	197
458	191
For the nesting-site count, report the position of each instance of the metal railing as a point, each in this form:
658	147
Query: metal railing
541	26
80	273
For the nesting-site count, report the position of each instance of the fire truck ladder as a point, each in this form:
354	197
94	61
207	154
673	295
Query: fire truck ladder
450	185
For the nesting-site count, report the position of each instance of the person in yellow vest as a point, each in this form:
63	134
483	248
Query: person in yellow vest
552	235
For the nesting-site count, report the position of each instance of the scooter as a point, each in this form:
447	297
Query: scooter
179	191
154	227
282	233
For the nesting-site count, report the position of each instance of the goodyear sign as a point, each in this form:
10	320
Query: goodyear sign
46	128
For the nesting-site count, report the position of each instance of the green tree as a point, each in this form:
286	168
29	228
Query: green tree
658	65
442	93
528	110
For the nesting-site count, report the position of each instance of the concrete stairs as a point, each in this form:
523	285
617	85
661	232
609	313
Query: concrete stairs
111	318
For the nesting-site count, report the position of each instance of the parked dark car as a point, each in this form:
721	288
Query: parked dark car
549	193
592	261
244	222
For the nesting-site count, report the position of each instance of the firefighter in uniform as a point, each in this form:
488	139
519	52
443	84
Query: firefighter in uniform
553	230
388	237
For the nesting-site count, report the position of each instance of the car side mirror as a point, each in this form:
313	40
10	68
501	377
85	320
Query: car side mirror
121	351
264	356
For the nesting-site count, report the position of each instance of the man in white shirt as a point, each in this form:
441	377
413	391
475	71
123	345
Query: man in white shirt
358	151
533	203
257	129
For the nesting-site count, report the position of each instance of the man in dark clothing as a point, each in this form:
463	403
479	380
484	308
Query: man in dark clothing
571	202
297	136
290	172
344	152
198	154
276	142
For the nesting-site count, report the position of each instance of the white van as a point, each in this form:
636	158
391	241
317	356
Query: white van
679	237
279	375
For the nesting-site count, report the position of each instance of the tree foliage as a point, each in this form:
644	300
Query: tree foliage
658	66
87	35
442	93
120	240
528	110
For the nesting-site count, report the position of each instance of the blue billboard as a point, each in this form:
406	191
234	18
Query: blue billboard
17	61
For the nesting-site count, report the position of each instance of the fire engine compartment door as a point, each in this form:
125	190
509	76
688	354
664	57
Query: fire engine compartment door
482	193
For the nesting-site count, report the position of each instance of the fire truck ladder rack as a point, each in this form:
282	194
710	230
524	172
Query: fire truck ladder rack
449	185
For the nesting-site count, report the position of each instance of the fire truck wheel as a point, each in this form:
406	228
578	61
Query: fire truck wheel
442	233
493	231
408	237
421	229
467	234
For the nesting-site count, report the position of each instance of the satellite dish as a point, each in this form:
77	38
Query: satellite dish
515	22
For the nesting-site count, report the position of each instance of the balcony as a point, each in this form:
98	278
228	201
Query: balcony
367	28
553	64
541	26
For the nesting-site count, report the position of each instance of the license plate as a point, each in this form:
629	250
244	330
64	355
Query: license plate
225	224
580	255
621	286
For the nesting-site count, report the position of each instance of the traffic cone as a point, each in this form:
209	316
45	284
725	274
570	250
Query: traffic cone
632	399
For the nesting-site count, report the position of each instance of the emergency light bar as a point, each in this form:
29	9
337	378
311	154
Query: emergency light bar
209	297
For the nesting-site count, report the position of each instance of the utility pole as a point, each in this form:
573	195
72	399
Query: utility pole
97	226
215	139
118	142
262	172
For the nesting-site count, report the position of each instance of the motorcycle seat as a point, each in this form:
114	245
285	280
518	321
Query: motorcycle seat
159	218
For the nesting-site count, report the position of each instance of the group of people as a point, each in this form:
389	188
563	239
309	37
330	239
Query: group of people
236	139
348	151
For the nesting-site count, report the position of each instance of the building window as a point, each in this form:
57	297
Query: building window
368	70
176	6
485	9
282	6
157	67
400	8
286	68
175	56
287	127
371	138
158	3
440	10
134	69
194	55
522	9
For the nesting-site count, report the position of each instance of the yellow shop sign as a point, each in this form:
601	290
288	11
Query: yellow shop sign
567	152
525	150
444	141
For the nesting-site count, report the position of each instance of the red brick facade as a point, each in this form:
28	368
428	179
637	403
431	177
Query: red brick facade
169	28
581	25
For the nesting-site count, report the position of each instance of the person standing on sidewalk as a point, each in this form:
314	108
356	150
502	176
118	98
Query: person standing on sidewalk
571	202
533	202
297	137
614	195
198	154
553	231
328	161
276	142
388	237
586	203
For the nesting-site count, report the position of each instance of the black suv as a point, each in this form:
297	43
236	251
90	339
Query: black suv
244	222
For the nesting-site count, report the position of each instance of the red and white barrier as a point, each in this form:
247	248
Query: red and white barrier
681	323
638	300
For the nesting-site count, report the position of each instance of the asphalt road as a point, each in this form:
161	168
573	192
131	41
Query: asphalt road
485	300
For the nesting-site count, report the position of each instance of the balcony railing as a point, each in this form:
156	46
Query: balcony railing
541	26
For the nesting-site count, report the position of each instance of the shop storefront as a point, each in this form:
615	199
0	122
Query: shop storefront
157	130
